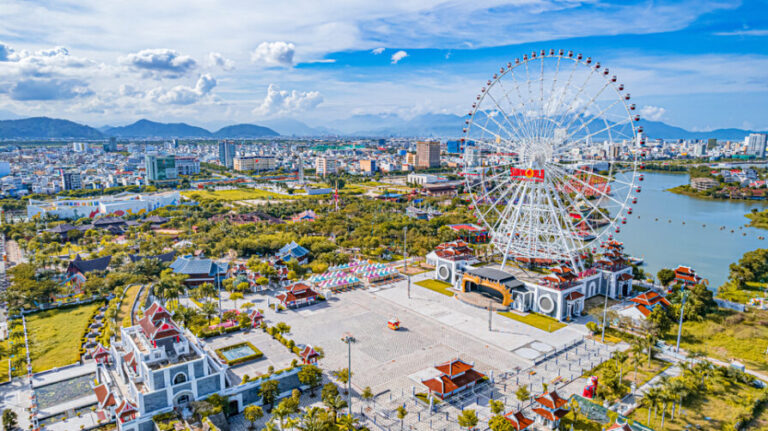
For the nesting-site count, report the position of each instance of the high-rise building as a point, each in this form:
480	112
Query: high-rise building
160	168
254	163
368	166
5	169
453	147
756	145
470	156
227	153
428	154
325	166
187	165
111	146
78	147
71	180
410	159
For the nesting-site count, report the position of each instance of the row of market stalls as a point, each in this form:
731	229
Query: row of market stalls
352	275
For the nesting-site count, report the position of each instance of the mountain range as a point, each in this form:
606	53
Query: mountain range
385	125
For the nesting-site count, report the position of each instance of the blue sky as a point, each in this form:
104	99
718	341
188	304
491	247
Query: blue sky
696	64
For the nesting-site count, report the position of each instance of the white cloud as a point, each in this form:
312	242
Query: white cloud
160	62
653	113
274	54
281	102
216	59
183	95
745	32
48	89
399	55
377	51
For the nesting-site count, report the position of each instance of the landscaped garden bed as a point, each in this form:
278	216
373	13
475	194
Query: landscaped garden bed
239	353
436	286
539	321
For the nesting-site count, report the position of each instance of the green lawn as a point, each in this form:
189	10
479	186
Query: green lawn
437	286
54	335
730	293
240	194
545	323
727	335
716	408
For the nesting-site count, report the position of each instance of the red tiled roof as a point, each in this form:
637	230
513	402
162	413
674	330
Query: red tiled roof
124	408
309	352
104	396
518	420
454	367
291	296
650	298
452	384
626	276
157	312
557	415
551	400
574	296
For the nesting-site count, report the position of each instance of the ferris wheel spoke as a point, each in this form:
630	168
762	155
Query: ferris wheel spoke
572	102
523	130
503	114
566	238
511	231
522	108
572	204
517	132
489	143
501	199
598	116
591	102
591	187
604	177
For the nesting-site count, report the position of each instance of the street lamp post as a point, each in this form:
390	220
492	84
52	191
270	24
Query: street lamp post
349	339
405	259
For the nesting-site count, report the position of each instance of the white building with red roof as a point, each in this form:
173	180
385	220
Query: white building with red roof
686	276
297	295
550	409
450	259
518	420
453	377
643	305
309	355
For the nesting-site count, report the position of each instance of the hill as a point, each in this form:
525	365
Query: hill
245	131
150	129
47	128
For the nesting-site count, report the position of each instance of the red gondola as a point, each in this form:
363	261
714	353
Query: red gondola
624	220
634	200
638	189
629	211
641	177
617	229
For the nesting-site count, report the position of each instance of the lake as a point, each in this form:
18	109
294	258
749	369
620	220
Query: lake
668	242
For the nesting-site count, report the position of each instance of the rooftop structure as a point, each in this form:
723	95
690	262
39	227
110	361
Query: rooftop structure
199	270
297	295
454	376
120	204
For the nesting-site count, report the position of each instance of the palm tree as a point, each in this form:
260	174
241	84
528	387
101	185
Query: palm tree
637	358
620	357
679	389
312	420
467	419
281	412
348	423
209	310
651	401
666	397
401	414
650	341
335	404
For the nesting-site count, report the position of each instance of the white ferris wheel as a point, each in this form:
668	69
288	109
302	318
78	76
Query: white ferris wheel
550	157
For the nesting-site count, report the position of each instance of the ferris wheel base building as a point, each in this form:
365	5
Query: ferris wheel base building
560	295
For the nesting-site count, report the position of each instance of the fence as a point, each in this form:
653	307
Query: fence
722	303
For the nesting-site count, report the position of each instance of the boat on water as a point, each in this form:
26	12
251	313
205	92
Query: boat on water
636	260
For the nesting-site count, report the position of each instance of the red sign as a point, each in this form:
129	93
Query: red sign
536	175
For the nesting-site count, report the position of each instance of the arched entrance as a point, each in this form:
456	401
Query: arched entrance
182	399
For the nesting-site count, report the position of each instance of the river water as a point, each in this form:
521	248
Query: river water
668	242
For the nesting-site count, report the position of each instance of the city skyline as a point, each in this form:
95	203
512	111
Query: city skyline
697	65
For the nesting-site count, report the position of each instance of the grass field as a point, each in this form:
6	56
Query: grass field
545	323
714	409
437	286
54	335
727	335
753	290
240	195
124	313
